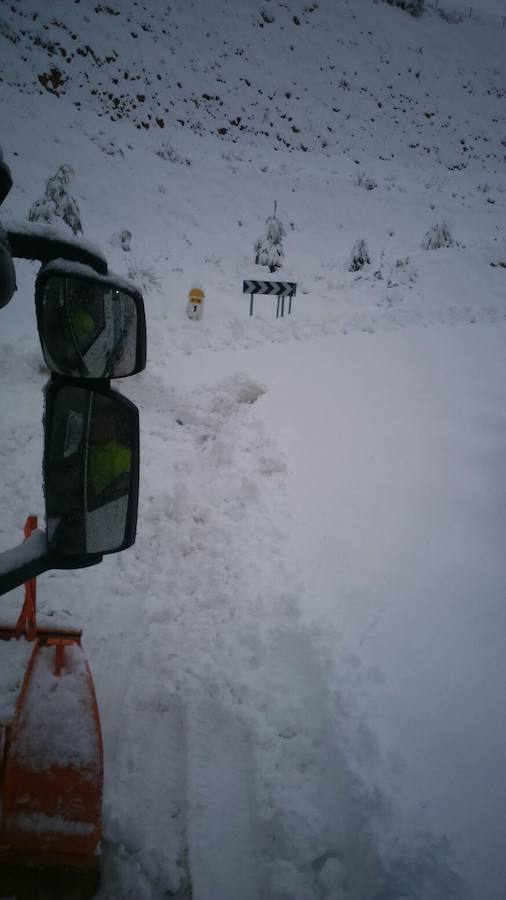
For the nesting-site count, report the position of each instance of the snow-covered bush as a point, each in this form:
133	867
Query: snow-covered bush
167	152
438	236
122	239
144	276
57	203
452	16
269	249
415	7
359	256
404	271
267	16
365	181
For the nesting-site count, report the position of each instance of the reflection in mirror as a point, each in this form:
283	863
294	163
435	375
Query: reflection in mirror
88	327
109	467
66	427
91	469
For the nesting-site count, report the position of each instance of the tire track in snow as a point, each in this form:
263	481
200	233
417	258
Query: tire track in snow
145	855
320	847
143	719
127	579
174	594
220	807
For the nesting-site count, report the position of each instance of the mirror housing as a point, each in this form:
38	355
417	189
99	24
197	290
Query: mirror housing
91	471
90	326
35	240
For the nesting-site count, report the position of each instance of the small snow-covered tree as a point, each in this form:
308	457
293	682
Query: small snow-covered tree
359	256
122	239
365	181
143	275
438	236
269	249
415	7
57	203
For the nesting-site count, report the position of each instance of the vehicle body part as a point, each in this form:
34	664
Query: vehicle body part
51	772
90	326
91	470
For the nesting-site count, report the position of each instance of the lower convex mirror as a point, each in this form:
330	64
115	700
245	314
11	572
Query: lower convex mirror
91	470
90	325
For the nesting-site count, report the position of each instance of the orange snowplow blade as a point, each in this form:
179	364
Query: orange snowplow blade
51	773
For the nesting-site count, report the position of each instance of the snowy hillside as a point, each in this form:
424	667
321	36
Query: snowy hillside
300	663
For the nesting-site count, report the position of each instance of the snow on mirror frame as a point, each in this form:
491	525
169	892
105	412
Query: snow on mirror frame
90	325
91	470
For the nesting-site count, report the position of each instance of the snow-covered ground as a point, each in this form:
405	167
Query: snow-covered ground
300	664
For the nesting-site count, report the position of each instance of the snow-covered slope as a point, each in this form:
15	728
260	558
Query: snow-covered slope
265	735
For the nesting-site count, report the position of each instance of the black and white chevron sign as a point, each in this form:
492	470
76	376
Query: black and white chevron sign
279	288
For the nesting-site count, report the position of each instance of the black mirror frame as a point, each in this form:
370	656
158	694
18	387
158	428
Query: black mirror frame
85	273
5	180
98	387
30	240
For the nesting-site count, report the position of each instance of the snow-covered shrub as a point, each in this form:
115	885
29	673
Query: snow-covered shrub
359	256
57	203
269	249
143	275
267	16
167	152
451	16
438	236
415	7
401	273
8	32
122	239
364	181
404	270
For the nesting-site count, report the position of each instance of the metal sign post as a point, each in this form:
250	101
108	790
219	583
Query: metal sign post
279	289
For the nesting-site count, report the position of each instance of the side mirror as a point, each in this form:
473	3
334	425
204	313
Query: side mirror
90	326
91	470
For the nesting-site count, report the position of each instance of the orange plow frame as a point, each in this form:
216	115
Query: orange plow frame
51	771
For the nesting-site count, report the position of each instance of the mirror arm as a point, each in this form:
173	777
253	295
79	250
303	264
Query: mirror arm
39	247
17	577
27	560
33	557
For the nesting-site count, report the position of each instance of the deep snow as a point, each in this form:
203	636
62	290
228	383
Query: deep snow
300	663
